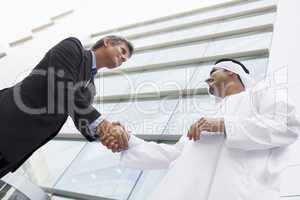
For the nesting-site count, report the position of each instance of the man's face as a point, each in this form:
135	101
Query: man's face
217	81
116	54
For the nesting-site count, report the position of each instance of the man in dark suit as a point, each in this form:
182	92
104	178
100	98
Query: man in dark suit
61	85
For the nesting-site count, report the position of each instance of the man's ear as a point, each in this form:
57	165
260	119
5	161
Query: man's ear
106	42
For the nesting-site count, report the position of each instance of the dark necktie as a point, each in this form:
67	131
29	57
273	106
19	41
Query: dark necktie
91	80
93	72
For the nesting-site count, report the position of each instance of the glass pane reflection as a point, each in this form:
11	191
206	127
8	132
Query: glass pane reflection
49	163
147	183
96	172
144	117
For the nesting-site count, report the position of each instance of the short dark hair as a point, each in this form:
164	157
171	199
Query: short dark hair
234	61
115	40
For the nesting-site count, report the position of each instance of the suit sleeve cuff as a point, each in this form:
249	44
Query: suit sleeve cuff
93	126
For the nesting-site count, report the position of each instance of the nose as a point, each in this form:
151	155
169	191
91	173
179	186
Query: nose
123	58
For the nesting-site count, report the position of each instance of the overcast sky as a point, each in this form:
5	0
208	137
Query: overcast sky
17	18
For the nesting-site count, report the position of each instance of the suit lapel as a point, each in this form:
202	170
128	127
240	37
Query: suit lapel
85	75
86	67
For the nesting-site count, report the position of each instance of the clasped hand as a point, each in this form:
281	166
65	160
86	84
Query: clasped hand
113	135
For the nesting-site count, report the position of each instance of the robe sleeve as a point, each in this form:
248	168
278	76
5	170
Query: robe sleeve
273	123
150	155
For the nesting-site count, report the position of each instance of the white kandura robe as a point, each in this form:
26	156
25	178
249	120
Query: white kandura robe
244	165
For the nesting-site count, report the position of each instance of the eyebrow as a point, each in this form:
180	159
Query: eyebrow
213	70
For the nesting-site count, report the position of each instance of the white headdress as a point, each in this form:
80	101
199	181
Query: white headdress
237	69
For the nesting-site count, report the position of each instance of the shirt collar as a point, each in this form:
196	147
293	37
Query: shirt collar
94	66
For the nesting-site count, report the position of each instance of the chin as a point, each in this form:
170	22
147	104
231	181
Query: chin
214	92
112	67
115	65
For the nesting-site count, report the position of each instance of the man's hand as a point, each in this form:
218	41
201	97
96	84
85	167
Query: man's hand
113	135
206	124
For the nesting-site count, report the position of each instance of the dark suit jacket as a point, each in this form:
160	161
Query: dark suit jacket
33	111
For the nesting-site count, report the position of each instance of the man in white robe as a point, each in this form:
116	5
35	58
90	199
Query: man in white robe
237	155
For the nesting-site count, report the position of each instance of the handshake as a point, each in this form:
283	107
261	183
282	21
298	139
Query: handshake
113	135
